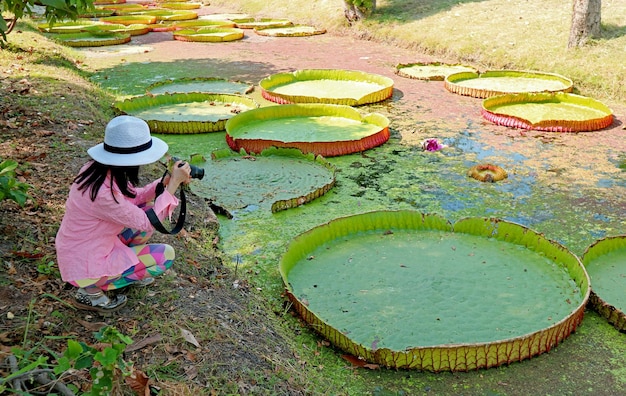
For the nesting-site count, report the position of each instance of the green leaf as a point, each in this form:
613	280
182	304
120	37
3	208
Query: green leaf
74	349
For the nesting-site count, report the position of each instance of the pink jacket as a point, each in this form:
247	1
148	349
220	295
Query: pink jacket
87	244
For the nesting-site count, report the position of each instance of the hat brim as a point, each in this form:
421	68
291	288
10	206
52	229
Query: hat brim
153	154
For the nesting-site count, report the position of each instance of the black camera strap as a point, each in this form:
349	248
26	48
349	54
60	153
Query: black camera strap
154	219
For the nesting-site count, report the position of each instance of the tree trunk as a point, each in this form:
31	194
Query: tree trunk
355	13
586	16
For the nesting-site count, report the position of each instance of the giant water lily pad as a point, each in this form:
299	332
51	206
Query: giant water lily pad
136	29
209	34
261	23
434	71
87	39
605	261
180	5
277	179
169	15
77	26
556	112
130	19
327	130
499	82
332	86
201	84
123	8
186	112
290	31
410	290
203	23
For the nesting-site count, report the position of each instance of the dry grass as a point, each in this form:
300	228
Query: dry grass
490	34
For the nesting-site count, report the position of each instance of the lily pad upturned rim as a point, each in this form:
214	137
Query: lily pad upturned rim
86	39
180	5
209	34
611	313
550	125
183	80
169	15
445	357
136	29
68	27
200	23
325	149
290	31
451	82
132	105
432	77
130	19
268	84
246	23
281	204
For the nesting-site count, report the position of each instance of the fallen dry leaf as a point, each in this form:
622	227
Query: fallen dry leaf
189	337
153	339
139	382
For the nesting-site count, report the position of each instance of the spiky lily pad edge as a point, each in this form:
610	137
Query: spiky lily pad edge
612	314
290	31
325	149
205	35
159	84
279	79
438	77
127	106
456	357
592	124
82	39
294	202
450	82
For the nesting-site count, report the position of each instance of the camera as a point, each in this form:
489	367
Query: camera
196	171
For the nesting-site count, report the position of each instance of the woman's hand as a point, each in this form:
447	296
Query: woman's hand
179	174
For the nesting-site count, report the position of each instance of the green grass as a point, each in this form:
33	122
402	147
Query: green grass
491	34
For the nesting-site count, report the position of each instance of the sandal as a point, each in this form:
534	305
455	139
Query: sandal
98	302
147	281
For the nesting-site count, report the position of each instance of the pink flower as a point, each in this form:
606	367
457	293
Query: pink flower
432	145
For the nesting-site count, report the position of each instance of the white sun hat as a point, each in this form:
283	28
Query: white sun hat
127	142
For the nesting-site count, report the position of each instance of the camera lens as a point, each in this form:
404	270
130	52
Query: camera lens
196	172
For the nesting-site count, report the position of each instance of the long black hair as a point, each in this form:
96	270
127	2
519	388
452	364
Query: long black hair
93	177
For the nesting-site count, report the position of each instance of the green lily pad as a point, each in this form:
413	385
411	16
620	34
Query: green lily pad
410	290
136	29
261	23
180	5
169	15
201	84
605	261
64	27
87	39
290	31
331	86
434	71
327	130
499	82
209	34
130	19
186	112
556	112
277	179
97	12
123	8
203	23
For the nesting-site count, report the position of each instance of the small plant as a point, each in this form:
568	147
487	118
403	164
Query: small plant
10	187
106	365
